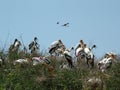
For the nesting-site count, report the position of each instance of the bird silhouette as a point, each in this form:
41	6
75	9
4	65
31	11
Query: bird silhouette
66	25
57	22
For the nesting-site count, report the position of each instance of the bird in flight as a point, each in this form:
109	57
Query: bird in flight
66	25
57	22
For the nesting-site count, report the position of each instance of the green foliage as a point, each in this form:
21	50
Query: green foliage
114	82
37	77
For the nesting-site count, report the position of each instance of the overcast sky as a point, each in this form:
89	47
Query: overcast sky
94	21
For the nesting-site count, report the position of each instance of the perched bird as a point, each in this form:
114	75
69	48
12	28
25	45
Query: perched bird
65	25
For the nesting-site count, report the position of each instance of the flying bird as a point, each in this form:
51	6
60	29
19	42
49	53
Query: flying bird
66	25
57	22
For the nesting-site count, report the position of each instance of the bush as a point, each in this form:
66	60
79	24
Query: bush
37	77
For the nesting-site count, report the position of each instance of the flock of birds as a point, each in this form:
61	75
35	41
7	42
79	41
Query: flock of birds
88	55
59	50
34	46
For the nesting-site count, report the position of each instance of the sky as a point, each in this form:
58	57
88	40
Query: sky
94	21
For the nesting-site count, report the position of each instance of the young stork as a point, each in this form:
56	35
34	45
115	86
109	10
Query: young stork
106	62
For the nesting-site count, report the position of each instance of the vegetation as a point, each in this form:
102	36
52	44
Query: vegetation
28	77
